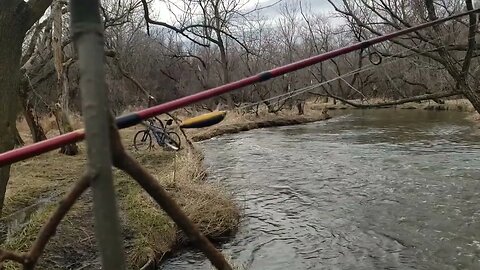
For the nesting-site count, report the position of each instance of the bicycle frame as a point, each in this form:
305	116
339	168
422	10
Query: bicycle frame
159	133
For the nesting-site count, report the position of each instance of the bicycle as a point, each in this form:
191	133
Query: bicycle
166	139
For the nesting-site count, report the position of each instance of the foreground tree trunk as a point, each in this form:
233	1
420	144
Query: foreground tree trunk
16	17
11	38
88	38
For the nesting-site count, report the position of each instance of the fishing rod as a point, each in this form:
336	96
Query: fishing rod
134	118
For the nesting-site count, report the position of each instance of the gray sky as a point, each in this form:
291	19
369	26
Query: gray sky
315	6
322	6
312	6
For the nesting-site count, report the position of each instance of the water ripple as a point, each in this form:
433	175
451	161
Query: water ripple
367	190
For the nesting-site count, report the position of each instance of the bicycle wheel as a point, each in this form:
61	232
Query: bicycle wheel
172	140
142	140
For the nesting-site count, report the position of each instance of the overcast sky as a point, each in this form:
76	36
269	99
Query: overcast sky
315	6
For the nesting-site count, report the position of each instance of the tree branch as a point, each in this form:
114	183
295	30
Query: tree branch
6	255
49	229
36	10
33	40
472	29
149	20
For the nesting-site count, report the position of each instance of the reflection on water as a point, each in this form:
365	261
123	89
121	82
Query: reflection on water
374	189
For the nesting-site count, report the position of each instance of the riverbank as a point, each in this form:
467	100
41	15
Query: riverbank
37	184
460	105
236	122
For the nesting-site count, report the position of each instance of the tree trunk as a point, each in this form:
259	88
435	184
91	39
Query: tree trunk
62	117
471	95
270	107
300	108
64	126
11	38
61	108
223	51
91	57
38	134
18	141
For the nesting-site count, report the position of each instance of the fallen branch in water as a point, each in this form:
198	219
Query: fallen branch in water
396	102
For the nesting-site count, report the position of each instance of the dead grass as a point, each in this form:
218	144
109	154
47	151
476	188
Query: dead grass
475	118
149	234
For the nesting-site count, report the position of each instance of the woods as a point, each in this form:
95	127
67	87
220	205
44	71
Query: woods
208	43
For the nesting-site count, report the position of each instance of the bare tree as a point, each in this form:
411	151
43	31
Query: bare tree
61	108
206	23
446	51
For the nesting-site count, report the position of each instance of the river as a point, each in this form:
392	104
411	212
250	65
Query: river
368	189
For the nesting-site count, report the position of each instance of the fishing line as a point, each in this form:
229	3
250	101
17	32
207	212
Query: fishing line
372	66
350	85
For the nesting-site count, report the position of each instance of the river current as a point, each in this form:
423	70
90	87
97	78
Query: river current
368	189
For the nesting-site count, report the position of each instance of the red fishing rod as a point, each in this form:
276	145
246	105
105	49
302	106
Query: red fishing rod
136	117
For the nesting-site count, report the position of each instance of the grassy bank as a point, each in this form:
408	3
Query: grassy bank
37	184
236	122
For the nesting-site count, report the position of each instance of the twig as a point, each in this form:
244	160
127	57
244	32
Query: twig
29	260
49	229
12	256
178	122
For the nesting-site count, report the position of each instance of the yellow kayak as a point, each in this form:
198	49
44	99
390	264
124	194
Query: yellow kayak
204	120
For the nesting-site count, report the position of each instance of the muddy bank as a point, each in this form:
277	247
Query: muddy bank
149	235
245	125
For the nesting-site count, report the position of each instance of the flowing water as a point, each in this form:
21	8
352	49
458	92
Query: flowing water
368	189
